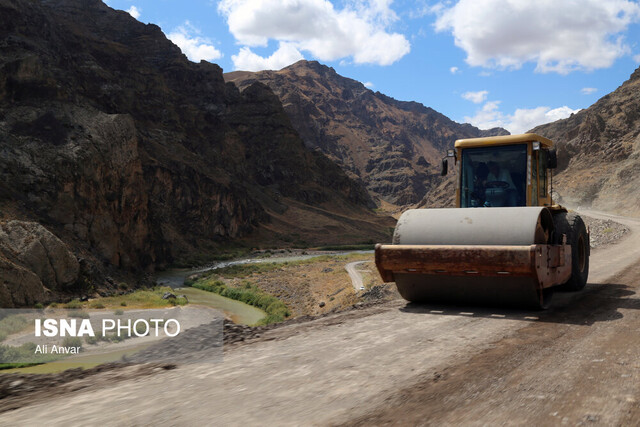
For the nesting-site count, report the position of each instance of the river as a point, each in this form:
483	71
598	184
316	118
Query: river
237	311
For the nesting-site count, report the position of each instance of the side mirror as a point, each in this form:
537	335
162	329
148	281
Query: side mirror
552	159
445	166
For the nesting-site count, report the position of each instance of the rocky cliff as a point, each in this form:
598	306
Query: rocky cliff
137	158
599	152
393	147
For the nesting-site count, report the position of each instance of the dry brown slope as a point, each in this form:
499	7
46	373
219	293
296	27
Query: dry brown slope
394	147
599	151
138	157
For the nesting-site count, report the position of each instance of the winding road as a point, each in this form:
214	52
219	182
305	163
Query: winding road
354	273
577	362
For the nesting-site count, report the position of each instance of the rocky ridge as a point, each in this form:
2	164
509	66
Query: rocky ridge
393	147
137	158
599	151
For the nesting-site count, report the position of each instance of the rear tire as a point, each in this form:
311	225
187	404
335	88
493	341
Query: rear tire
573	226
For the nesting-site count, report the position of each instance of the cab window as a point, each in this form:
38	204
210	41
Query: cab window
494	176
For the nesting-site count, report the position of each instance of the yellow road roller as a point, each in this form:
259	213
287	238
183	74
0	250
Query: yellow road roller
506	242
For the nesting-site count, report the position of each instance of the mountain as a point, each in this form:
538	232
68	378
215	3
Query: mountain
393	147
137	158
599	152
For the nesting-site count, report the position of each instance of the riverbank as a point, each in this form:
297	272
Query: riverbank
308	287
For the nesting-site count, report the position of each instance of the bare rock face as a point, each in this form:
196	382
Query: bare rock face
393	147
36	248
599	151
33	260
138	158
18	286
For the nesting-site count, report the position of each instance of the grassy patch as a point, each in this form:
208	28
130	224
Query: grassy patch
72	342
245	270
276	310
79	314
12	324
73	304
361	247
25	355
144	298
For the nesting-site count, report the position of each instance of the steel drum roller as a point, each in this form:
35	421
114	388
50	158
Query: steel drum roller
480	226
469	255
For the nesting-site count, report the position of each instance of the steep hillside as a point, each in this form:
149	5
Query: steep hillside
393	147
599	151
137	158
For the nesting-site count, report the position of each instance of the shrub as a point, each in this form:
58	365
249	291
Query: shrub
276	310
12	324
79	314
141	329
73	304
91	340
97	304
72	342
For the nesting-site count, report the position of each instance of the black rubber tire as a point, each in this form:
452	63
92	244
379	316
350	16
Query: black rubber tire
573	226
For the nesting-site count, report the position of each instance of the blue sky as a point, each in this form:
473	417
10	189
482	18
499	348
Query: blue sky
509	63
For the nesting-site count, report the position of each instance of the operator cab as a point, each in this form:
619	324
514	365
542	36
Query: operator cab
503	171
494	176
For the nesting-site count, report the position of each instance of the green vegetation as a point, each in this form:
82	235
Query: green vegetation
25	355
79	314
107	338
73	304
72	342
361	247
12	324
245	270
276	310
143	298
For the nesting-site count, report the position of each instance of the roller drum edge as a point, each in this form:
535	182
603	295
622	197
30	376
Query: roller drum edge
483	226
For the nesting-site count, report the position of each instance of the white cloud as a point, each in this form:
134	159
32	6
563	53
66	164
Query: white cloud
134	11
636	58
369	85
359	30
195	47
454	70
559	36
246	60
522	120
588	90
476	97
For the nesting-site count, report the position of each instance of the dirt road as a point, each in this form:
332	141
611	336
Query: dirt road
398	363
354	274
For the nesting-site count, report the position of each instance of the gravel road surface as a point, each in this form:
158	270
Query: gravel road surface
576	363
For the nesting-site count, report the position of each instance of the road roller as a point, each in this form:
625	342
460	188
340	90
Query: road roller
505	243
